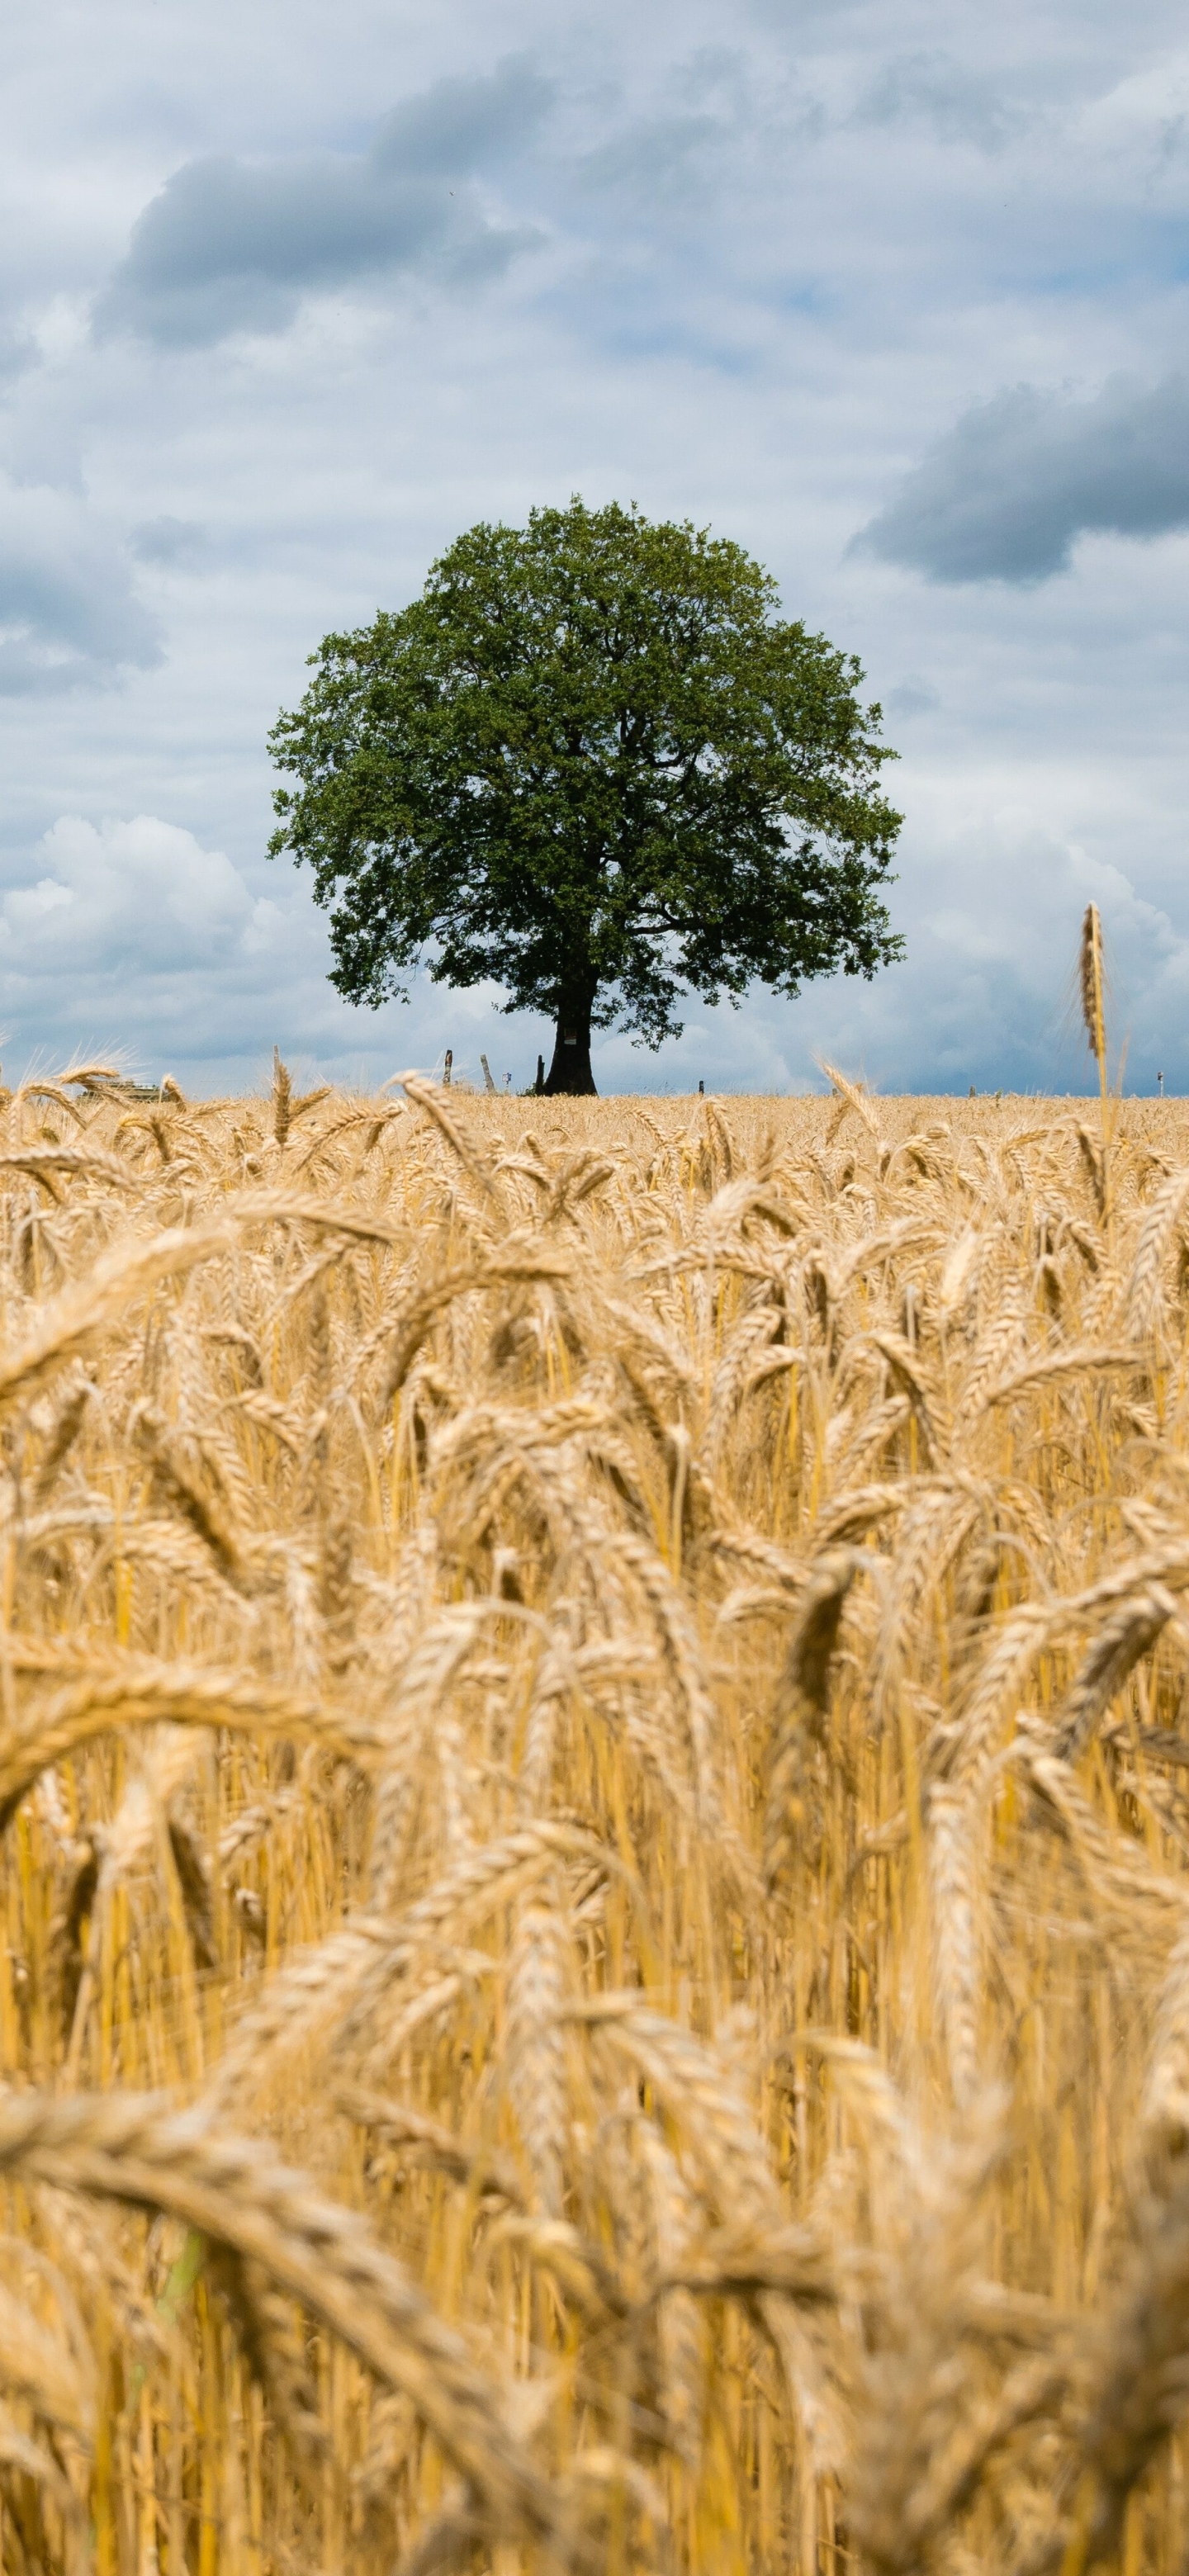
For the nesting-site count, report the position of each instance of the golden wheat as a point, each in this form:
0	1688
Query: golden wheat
595	1865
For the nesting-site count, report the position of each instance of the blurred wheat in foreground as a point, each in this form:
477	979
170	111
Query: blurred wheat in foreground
596	1852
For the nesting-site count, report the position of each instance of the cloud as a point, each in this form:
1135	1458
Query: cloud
135	941
68	611
1145	115
141	896
961	105
1004	495
912	697
179	545
18	352
231	245
464	125
985	993
660	158
672	152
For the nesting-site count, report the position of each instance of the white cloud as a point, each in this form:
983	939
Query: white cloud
26	905
141	892
265	929
135	937
1145	115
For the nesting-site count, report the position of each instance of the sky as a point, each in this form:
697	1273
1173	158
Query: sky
893	293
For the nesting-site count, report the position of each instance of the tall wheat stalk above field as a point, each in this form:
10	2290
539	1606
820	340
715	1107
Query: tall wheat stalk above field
1090	981
1091	985
595	1870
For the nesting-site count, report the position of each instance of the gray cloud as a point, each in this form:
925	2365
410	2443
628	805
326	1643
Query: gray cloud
463	125
68	611
230	245
663	158
912	697
178	545
1004	494
675	154
18	352
961	105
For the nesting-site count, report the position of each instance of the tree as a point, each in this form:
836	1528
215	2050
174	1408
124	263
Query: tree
594	763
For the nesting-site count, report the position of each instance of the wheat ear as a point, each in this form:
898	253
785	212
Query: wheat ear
536	2048
132	2149
1090	985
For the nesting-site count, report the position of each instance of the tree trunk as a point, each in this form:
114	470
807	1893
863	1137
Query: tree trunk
570	1074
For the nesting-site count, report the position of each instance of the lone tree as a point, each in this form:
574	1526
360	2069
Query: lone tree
594	763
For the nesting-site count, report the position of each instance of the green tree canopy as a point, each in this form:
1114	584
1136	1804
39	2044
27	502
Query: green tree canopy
594	763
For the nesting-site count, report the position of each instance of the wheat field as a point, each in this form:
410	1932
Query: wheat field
596	1855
